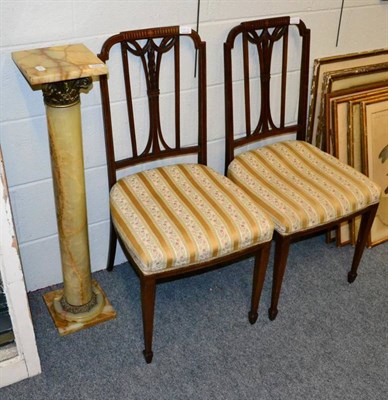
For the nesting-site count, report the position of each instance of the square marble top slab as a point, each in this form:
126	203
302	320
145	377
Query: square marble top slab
58	63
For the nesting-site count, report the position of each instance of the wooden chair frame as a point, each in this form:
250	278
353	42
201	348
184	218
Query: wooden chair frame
151	54
259	33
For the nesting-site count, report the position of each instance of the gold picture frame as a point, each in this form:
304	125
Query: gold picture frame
335	119
374	133
355	140
340	126
335	63
346	79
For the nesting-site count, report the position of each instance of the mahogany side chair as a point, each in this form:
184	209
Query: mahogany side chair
172	216
302	188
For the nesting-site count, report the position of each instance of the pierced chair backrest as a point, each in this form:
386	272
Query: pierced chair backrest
271	68
141	53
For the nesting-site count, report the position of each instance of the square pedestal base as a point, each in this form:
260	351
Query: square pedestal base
66	327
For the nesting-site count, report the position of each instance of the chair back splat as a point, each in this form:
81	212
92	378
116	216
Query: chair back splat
263	48
149	46
171	215
302	188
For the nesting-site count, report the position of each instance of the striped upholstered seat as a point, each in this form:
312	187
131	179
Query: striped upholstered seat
300	186
176	216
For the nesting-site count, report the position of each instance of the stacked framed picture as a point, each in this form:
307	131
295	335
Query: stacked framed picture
348	118
374	135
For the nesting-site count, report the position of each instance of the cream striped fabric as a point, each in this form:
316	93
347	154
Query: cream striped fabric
300	186
175	216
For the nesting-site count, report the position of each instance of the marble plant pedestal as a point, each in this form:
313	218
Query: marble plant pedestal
62	71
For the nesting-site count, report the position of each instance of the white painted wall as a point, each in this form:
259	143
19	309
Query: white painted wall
34	23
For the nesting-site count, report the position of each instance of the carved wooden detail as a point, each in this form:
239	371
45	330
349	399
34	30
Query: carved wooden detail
149	46
265	37
264	42
151	57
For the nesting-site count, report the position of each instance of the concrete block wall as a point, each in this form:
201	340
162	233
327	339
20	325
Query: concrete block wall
35	23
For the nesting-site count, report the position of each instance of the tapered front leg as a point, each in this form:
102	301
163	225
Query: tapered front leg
279	267
261	263
148	290
365	227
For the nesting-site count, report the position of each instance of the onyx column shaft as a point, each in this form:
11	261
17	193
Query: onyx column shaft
62	102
